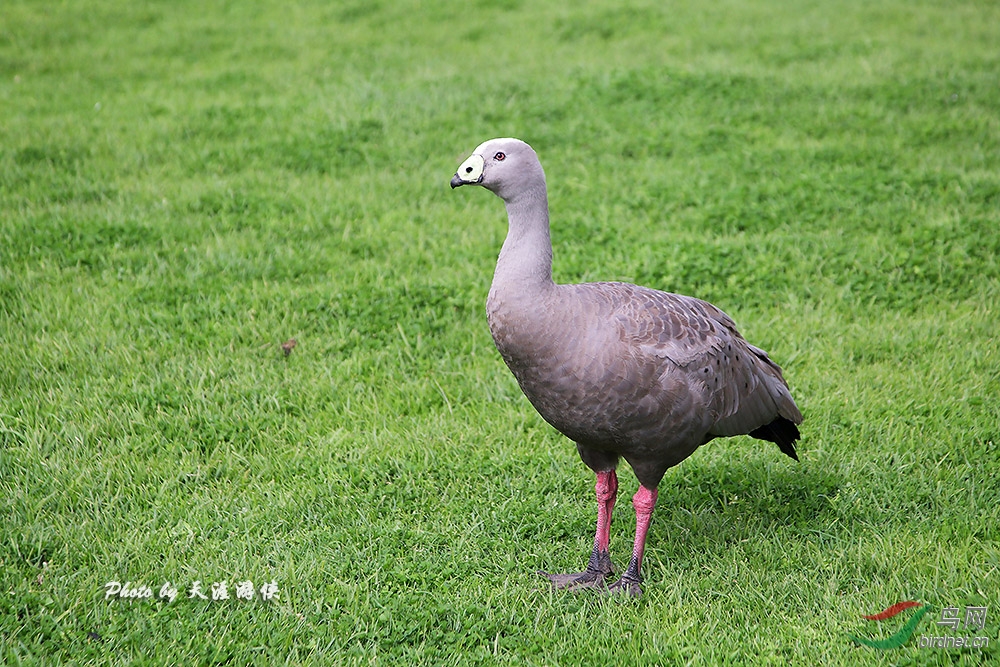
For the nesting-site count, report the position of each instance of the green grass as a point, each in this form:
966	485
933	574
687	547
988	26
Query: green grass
183	187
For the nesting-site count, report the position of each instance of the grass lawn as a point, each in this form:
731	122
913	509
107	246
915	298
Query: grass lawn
184	187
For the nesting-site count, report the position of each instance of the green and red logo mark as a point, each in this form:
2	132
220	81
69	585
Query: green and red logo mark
904	633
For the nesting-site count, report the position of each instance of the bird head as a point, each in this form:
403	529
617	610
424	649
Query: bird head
505	167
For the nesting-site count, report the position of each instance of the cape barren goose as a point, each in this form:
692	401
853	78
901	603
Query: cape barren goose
623	371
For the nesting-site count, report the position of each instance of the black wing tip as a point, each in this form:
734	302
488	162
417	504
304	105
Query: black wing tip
782	432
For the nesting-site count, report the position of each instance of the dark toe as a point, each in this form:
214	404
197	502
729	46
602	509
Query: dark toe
575	580
627	586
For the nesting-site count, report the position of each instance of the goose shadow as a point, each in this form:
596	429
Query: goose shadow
707	506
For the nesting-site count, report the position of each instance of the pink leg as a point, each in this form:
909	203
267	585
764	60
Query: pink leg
599	565
644	501
606	490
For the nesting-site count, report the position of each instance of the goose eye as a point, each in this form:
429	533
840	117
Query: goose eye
500	157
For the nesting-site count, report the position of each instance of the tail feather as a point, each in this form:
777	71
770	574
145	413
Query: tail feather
783	432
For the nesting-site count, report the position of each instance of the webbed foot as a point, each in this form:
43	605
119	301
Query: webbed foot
627	585
599	567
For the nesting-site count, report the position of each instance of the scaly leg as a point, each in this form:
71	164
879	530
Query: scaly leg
599	566
644	501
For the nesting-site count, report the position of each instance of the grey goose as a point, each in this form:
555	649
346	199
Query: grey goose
623	371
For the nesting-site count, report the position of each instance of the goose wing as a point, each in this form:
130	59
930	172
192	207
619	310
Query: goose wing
744	389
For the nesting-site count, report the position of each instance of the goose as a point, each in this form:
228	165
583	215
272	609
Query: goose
621	370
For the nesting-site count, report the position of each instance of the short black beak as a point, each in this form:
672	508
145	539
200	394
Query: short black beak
456	181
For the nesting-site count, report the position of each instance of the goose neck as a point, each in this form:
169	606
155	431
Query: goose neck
526	256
